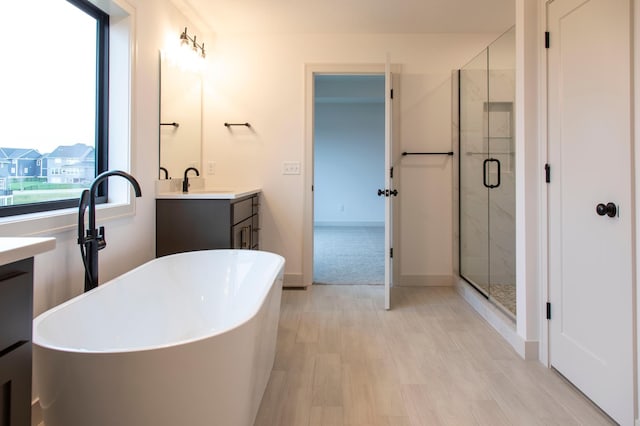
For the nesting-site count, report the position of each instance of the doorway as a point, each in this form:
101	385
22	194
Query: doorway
348	162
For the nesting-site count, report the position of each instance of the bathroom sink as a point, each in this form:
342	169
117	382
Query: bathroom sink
209	193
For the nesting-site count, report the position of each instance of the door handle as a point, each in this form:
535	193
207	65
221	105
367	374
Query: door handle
387	192
610	209
484	172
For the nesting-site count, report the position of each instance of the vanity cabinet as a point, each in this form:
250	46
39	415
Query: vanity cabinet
202	224
16	313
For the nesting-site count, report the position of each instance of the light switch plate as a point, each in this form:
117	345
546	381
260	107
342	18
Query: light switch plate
211	168
291	168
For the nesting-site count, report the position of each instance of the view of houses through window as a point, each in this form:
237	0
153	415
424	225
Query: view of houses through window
27	176
48	87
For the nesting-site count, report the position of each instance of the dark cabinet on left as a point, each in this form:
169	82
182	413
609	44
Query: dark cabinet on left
16	315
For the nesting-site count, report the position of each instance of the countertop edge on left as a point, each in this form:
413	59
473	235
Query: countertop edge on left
13	249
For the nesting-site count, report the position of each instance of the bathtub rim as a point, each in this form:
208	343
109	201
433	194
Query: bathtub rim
279	271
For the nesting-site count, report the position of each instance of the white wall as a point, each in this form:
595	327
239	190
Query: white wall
260	79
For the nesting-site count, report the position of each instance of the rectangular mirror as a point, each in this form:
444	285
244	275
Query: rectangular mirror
180	117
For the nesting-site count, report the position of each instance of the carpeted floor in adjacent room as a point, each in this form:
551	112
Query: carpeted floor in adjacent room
348	255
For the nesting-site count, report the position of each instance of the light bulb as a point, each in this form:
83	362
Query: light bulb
184	38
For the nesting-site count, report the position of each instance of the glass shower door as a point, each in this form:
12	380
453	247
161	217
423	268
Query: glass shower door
487	172
474	198
501	148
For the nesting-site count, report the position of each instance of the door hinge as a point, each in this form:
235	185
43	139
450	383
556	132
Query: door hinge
391	252
547	173
547	39
391	94
391	173
548	310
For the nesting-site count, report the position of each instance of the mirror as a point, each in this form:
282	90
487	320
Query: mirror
180	117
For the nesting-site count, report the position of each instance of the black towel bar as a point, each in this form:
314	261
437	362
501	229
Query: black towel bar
427	153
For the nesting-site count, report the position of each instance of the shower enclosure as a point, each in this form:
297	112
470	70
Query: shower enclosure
487	172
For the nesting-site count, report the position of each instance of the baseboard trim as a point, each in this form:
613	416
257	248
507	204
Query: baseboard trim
293	280
372	224
527	349
425	280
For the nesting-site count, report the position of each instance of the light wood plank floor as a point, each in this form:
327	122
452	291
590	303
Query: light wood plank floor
342	360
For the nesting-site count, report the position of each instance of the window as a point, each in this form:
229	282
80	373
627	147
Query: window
54	103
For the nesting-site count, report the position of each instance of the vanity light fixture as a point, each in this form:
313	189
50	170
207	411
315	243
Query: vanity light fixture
185	39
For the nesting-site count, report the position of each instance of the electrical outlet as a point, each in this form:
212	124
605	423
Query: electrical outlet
211	168
291	168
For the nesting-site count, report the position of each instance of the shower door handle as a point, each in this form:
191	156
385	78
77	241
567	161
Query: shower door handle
485	165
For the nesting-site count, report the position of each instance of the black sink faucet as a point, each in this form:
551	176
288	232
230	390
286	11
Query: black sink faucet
94	238
165	171
185	181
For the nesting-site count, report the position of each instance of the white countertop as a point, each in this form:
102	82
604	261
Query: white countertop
14	249
208	194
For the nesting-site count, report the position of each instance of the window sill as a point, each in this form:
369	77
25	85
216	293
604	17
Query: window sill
58	221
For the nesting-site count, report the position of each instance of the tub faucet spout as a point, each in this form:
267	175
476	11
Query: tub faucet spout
185	181
94	239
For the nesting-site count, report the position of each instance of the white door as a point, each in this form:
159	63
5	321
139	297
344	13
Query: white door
388	184
590	253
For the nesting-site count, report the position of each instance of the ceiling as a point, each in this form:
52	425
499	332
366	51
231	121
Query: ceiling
350	16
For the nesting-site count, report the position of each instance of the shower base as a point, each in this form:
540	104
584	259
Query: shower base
503	295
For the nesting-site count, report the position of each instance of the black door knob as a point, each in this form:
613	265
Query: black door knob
609	209
380	192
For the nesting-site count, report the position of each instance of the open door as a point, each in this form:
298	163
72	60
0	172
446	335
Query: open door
389	191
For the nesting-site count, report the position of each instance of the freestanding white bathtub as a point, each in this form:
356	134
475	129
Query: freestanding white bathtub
187	339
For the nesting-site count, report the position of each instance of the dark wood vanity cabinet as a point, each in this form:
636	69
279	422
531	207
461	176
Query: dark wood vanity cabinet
203	224
16	314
